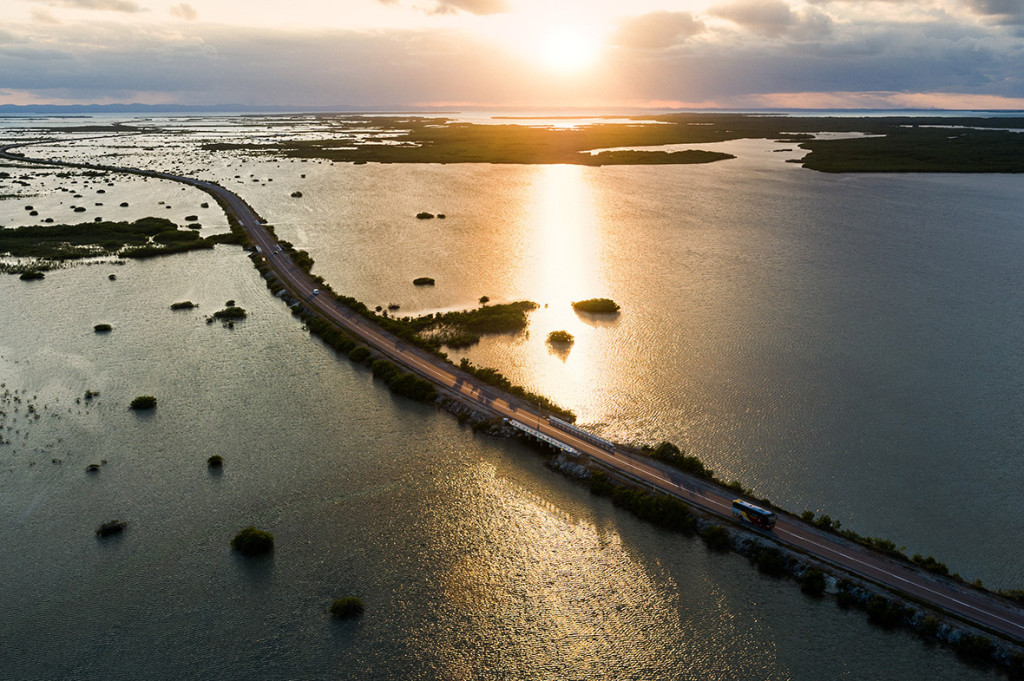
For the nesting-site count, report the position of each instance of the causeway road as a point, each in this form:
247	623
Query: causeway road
981	608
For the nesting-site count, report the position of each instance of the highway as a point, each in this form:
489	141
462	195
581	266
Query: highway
978	607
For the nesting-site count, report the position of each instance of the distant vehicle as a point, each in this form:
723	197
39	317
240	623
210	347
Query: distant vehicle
755	515
316	292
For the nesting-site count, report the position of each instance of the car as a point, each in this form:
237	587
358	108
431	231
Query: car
316	292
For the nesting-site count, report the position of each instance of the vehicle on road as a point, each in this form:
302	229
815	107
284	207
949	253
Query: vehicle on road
316	292
755	515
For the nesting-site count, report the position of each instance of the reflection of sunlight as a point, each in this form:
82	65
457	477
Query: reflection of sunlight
564	225
563	592
566	240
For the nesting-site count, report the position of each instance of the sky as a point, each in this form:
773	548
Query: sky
509	54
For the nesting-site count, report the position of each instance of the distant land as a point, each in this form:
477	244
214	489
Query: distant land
139	108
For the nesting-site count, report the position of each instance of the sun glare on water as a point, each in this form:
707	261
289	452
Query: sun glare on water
568	51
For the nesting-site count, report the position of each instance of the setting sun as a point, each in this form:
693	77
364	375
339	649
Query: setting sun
566	50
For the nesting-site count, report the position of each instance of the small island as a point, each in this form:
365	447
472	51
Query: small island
423	281
110	528
561	338
346	608
253	542
596	306
230	312
143	403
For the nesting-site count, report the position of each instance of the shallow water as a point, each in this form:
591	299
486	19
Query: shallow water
745	335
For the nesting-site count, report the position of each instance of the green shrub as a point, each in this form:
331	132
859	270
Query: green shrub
561	337
183	305
215	461
359	353
423	281
253	542
716	538
346	608
143	402
884	612
102	328
972	647
771	562
231	312
812	582
930	625
930	564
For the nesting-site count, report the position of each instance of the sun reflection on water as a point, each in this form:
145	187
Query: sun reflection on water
567	238
558	591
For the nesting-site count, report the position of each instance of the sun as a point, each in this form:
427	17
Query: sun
568	50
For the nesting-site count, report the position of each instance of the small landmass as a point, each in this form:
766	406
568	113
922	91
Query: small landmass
253	542
561	338
110	528
596	306
143	403
230	313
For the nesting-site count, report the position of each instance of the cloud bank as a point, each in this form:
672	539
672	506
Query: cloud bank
737	53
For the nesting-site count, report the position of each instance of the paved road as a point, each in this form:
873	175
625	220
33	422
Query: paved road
978	607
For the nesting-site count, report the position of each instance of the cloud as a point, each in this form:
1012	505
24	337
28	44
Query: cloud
128	6
471	6
764	17
42	16
657	30
185	11
1004	11
216	64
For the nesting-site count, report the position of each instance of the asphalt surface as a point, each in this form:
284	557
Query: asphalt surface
982	608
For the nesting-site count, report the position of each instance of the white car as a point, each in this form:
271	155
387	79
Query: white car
316	292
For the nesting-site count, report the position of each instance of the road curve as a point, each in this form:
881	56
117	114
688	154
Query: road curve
989	611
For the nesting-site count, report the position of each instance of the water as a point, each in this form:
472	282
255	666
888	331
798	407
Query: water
845	344
752	334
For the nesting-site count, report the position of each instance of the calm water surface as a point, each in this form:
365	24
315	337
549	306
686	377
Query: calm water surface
849	344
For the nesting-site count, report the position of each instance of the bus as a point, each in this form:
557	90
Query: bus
755	515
